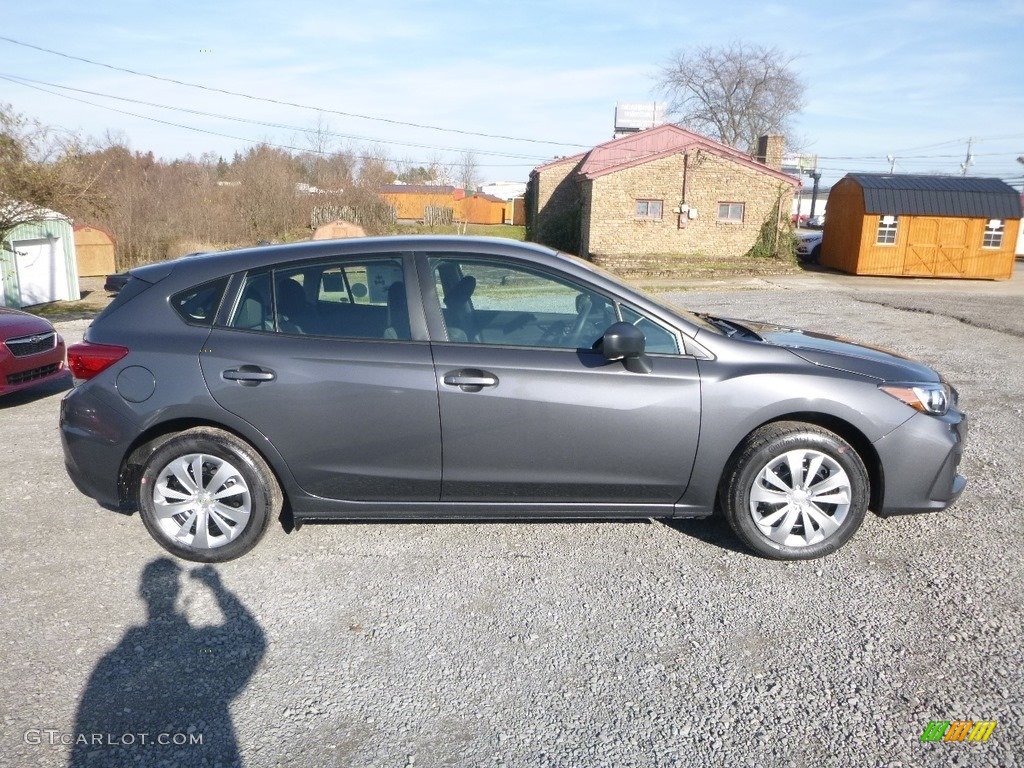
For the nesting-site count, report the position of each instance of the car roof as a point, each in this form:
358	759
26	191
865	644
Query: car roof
212	264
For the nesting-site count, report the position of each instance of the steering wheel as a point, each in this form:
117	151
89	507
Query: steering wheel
584	308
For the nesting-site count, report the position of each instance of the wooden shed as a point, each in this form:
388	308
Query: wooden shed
412	201
94	250
921	226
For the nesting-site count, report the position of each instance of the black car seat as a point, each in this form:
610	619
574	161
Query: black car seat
398	313
294	315
459	314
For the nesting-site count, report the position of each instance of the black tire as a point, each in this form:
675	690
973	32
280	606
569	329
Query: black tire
207	529
815	255
794	523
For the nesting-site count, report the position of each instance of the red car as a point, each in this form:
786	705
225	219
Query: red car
31	351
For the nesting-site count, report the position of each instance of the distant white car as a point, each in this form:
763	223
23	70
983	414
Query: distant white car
809	247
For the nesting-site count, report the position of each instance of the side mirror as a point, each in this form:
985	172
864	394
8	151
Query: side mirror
626	342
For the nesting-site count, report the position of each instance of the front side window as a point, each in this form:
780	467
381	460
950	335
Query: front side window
660	340
364	299
649	210
993	237
487	302
887	226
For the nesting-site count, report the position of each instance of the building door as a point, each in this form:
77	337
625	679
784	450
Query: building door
42	275
936	247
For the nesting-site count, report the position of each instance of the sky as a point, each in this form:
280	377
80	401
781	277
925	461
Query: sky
518	83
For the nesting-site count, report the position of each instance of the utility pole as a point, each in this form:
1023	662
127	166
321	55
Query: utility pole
967	160
892	163
816	175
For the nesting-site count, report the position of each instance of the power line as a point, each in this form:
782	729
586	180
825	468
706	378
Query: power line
904	156
225	135
26	80
285	103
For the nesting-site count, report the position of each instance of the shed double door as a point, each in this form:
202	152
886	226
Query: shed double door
936	247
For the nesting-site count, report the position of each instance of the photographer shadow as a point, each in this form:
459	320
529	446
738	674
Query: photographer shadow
162	695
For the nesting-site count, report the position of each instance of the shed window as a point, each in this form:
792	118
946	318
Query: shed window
731	212
993	237
648	209
887	230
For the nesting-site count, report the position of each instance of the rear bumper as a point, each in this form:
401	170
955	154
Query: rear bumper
94	439
920	463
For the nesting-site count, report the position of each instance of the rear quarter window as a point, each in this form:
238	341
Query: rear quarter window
198	305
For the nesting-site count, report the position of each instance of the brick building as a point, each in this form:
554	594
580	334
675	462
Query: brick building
657	193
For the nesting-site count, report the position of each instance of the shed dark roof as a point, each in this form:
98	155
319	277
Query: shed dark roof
961	196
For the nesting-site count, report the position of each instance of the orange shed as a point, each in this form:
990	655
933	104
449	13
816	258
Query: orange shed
411	201
921	226
94	249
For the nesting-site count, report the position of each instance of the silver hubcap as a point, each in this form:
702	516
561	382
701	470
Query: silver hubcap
800	498
202	501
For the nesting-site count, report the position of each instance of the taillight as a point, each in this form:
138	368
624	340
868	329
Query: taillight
86	359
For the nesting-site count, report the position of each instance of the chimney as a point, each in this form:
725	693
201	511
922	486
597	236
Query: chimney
769	151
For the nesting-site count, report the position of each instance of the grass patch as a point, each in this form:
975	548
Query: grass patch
475	230
65	310
648	268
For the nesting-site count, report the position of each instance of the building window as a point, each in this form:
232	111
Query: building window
648	209
731	212
887	230
993	237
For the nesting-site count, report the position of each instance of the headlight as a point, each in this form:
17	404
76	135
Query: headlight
934	397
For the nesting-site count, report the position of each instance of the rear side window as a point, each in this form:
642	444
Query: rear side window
356	299
198	305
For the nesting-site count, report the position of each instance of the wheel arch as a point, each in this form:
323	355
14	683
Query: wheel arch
149	441
850	433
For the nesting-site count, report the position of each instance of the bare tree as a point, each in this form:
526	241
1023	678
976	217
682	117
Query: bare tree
734	93
39	170
469	170
267	198
315	161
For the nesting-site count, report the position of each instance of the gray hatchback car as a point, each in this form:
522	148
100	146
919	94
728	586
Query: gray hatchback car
427	378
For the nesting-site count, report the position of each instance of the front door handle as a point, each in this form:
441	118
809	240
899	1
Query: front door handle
470	379
249	375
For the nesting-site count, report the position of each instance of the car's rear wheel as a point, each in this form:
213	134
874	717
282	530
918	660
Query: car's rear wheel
207	496
796	491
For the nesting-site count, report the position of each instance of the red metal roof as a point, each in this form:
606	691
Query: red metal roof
655	143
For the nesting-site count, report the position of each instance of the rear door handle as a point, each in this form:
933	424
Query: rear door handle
249	375
470	379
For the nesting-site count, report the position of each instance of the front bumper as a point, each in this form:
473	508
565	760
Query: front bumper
17	373
920	462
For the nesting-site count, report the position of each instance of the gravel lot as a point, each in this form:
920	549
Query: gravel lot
606	644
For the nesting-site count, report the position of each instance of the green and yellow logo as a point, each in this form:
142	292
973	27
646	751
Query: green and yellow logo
958	730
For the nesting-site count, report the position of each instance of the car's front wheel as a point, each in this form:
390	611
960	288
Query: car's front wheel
796	491
207	496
